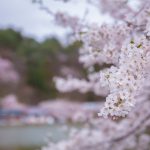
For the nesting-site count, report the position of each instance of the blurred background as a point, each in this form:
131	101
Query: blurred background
33	50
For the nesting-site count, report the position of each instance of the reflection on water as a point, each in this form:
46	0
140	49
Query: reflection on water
30	137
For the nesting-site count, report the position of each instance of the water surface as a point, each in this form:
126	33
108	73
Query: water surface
30	137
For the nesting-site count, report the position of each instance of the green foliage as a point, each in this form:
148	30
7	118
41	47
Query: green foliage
10	38
51	46
37	75
27	47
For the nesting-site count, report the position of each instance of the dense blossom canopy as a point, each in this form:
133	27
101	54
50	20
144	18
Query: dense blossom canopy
123	45
122	50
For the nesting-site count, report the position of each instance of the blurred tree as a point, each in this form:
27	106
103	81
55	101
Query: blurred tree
37	64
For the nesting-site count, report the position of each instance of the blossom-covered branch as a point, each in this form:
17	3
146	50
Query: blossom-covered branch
126	47
121	51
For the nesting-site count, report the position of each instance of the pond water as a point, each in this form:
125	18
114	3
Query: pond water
31	137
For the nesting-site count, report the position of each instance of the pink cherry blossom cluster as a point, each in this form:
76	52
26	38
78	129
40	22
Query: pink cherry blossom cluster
7	72
103	44
125	80
73	84
65	20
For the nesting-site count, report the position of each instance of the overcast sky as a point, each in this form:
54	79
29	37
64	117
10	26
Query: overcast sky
27	17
